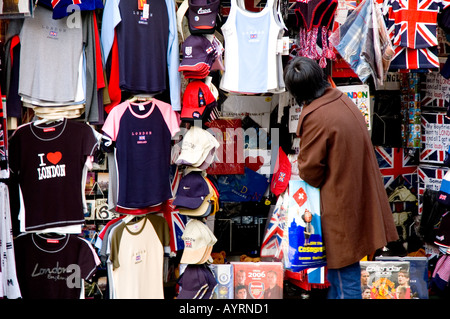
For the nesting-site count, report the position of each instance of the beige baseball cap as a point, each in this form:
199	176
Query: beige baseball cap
198	241
197	144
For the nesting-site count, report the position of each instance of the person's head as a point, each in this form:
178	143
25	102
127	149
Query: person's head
240	276
271	278
241	292
307	216
403	277
364	277
305	80
365	292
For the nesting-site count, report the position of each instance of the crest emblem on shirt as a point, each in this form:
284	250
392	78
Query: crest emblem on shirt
188	51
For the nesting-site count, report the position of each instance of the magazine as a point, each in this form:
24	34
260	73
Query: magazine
258	280
418	274
385	280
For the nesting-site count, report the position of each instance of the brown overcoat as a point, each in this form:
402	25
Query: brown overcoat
337	155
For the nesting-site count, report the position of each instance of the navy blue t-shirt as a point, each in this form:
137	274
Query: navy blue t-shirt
142	45
142	151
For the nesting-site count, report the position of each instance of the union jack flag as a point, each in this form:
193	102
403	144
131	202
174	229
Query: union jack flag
415	22
434	151
393	163
436	88
273	237
413	59
430	177
177	224
175	220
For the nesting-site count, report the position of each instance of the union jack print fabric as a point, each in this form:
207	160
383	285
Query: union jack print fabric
416	22
413	59
412	27
393	163
273	237
435	137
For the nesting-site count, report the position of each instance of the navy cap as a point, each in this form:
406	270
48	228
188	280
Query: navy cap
443	231
202	15
198	54
192	191
197	282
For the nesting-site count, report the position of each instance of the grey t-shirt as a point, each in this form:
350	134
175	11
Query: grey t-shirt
49	57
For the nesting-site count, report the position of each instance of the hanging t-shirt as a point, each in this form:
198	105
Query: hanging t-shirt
147	45
245	33
142	44
137	257
51	267
48	161
49	58
142	135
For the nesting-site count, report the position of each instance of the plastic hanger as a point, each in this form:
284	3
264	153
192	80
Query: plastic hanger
46	121
130	218
141	98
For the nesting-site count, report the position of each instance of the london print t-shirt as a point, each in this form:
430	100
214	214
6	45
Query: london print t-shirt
53	267
142	135
48	161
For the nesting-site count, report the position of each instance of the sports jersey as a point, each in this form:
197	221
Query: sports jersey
245	33
142	135
48	161
137	257
51	267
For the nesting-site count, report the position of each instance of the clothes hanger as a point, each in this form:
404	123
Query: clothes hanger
129	218
141	98
46	121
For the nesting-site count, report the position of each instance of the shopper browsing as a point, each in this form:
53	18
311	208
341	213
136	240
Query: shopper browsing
336	155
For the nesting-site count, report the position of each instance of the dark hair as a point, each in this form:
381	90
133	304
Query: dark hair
305	80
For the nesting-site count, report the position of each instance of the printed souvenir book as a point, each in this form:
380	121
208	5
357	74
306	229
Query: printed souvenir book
258	280
385	280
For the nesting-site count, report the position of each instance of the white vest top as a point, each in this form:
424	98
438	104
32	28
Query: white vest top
253	46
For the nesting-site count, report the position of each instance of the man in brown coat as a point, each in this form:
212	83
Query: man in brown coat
337	156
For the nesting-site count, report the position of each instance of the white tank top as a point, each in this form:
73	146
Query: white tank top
252	56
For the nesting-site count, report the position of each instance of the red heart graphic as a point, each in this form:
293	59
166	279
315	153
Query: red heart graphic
254	163
54	158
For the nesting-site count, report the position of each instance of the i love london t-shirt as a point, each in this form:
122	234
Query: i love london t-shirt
48	161
52	267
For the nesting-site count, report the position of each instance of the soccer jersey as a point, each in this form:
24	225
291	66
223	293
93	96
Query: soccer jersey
52	267
48	161
142	135
245	33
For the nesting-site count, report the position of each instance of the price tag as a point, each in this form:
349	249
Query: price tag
145	13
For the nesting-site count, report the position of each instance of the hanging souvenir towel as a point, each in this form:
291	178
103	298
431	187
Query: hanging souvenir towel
363	42
306	248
